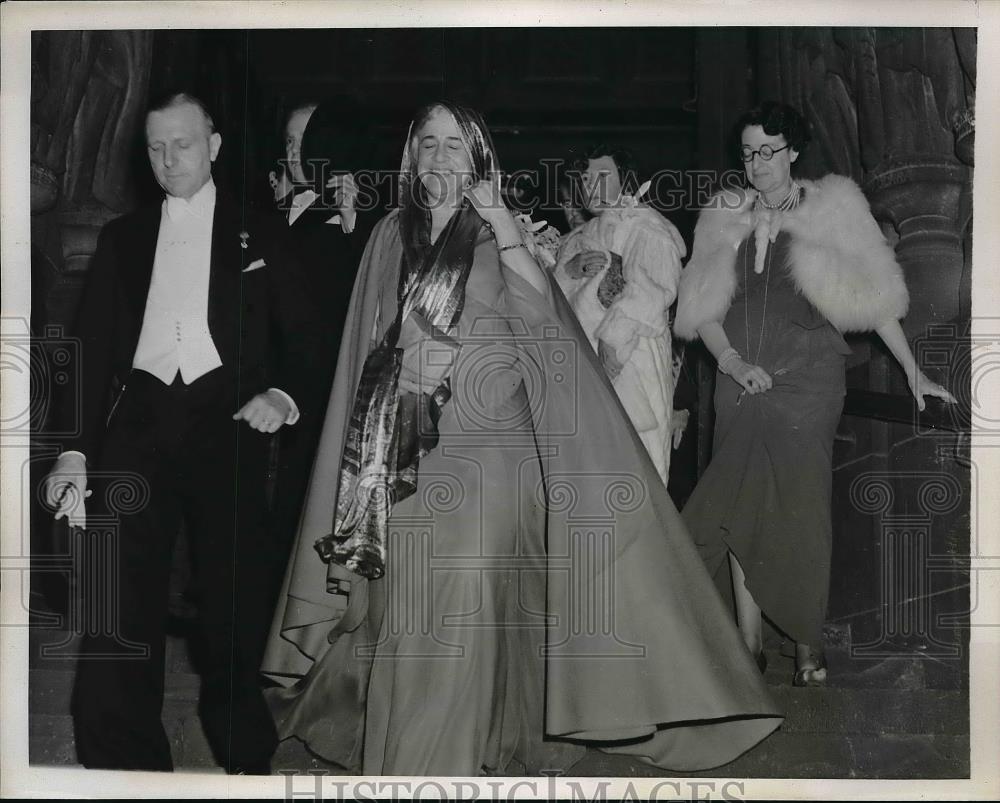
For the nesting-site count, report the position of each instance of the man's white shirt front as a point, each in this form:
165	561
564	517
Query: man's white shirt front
175	335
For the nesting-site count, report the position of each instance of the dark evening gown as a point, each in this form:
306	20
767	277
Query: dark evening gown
766	495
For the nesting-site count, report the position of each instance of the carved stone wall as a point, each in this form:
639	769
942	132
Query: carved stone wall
893	109
88	93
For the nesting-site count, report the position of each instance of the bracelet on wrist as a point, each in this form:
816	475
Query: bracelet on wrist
726	359
511	247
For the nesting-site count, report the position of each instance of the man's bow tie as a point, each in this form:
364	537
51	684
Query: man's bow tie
176	207
304	197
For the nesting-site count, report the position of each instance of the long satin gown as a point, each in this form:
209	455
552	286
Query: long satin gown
518	618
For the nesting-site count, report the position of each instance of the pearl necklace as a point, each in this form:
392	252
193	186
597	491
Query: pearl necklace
746	310
790	202
767	221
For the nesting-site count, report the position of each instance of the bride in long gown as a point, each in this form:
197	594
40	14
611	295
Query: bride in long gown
489	574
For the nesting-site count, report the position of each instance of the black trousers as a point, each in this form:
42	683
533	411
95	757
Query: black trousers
296	454
174	452
297	447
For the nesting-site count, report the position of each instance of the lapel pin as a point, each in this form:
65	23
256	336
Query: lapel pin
244	236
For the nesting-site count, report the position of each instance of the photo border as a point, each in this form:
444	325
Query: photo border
16	22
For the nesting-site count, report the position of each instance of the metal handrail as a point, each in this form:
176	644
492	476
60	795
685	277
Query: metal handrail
903	410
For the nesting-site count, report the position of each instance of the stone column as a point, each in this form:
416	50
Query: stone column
892	109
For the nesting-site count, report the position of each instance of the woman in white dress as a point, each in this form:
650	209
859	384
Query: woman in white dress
619	272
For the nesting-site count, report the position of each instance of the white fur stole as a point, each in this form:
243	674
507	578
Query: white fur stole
840	261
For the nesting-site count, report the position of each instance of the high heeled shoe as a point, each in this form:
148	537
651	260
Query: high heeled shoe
813	674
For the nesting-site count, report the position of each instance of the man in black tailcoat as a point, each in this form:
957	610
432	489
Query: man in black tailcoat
196	342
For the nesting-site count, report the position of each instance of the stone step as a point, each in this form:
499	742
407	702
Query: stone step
782	755
54	649
815	710
50	741
841	731
873	711
816	755
49	692
900	671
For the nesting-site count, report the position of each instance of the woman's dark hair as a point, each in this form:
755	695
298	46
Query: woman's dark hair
775	118
625	162
570	190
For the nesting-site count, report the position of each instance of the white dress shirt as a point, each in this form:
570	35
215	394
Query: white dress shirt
175	335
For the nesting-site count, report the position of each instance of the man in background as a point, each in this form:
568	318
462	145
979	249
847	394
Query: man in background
327	225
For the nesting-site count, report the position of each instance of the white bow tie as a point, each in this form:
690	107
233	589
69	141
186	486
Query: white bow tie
300	203
176	207
304	198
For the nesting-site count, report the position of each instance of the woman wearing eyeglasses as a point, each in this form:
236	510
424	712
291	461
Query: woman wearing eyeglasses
779	271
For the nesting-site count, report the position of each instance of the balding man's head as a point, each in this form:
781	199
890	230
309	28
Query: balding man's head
182	143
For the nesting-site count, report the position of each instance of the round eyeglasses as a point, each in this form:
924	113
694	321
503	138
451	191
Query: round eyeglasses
765	151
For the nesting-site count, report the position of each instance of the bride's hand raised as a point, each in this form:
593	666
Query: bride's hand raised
487	200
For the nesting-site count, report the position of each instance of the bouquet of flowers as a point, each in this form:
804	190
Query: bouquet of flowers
541	240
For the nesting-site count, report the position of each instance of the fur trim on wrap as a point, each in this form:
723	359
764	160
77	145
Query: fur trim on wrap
840	260
708	282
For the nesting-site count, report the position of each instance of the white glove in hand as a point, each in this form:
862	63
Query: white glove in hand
66	489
